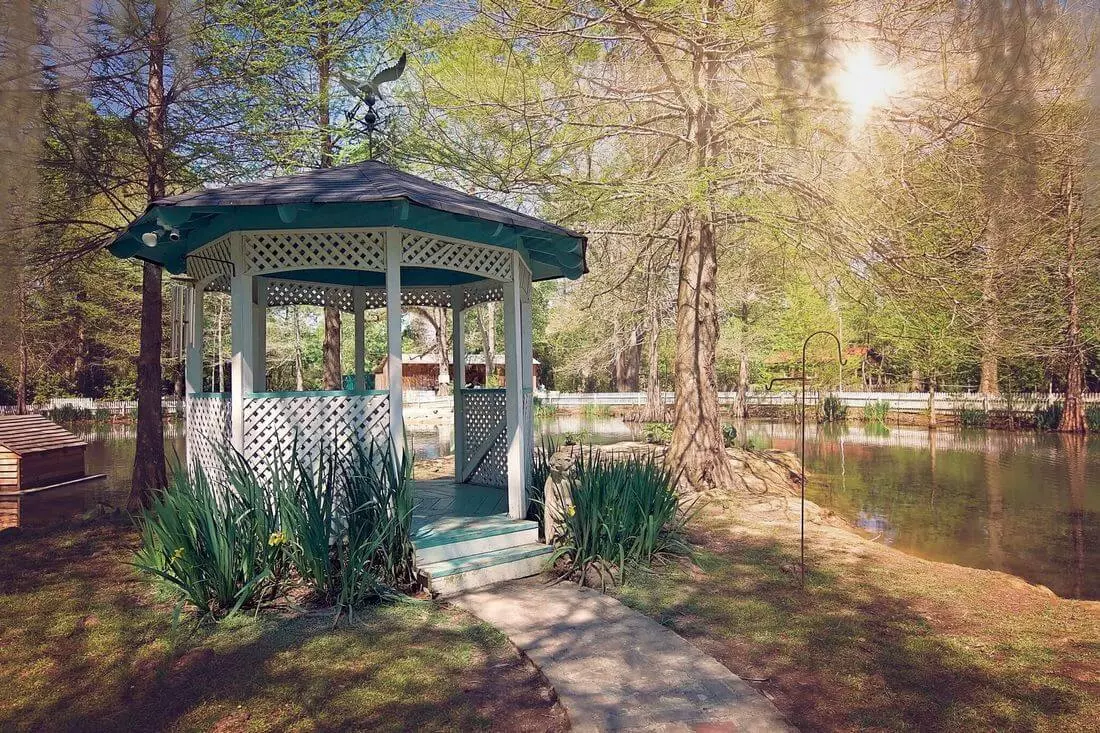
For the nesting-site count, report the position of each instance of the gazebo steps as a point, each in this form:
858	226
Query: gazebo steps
473	571
449	538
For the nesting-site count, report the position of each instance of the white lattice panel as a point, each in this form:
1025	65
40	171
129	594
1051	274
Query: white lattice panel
426	250
211	259
288	292
304	249
484	423
482	293
273	424
209	431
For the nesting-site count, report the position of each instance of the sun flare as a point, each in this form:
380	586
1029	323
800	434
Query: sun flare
864	84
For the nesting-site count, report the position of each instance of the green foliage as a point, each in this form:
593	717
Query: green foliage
1092	418
625	514
536	490
544	409
339	526
973	417
876	412
71	413
833	409
1048	416
593	411
659	433
729	434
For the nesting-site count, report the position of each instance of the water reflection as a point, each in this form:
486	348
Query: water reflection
1024	503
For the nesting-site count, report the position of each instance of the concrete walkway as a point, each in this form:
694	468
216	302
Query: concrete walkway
615	669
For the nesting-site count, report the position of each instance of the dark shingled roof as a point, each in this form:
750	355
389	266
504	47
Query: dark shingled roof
370	181
23	434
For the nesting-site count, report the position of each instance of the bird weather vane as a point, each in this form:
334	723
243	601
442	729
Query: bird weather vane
369	93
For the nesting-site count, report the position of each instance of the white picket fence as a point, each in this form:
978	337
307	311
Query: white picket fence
899	401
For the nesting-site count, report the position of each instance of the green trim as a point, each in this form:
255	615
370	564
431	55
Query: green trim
484	389
210	395
317	393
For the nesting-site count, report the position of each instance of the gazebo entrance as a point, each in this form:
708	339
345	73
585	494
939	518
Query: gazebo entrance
356	237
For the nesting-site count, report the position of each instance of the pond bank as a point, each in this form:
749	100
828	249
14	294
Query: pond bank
878	639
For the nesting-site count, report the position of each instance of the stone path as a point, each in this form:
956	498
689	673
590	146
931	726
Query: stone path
615	669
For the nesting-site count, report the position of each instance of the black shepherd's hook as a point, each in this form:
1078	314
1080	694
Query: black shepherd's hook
802	477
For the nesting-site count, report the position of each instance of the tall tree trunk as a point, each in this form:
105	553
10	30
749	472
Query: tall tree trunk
654	405
990	337
299	378
741	407
487	324
21	381
697	449
1073	414
333	372
149	471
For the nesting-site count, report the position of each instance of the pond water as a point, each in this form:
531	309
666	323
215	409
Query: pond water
1025	503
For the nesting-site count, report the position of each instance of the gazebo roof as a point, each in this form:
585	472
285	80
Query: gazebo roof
368	194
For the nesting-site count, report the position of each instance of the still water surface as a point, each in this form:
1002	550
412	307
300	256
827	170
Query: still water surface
1024	503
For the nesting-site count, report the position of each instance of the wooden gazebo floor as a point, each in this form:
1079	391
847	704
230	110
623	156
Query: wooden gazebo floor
444	497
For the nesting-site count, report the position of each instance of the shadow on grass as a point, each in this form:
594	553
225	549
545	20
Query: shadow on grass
846	653
84	645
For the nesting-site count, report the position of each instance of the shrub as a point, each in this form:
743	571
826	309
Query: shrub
545	409
1092	418
729	434
833	409
591	411
340	526
540	472
658	433
70	413
876	412
973	417
625	514
1048	417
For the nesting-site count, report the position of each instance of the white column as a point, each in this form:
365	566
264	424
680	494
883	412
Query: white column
458	354
514	431
526	362
259	336
359	304
242	344
393	336
195	332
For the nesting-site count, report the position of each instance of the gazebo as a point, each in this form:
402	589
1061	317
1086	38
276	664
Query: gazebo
356	237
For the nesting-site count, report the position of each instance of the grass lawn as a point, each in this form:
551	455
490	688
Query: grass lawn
879	640
87	644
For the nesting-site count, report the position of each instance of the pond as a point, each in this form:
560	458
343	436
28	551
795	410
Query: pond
1025	503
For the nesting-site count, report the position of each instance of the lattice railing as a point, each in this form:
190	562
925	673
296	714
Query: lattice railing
484	428
274	421
209	430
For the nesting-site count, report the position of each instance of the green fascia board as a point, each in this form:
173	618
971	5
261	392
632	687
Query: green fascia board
548	255
317	393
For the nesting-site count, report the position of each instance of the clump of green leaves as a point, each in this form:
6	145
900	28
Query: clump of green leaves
876	412
1049	416
339	526
624	515
833	409
973	417
1092	418
544	409
540	473
658	433
729	434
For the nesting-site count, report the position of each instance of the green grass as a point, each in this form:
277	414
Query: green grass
874	646
86	644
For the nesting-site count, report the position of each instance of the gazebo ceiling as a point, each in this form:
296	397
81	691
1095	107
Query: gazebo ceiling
369	194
